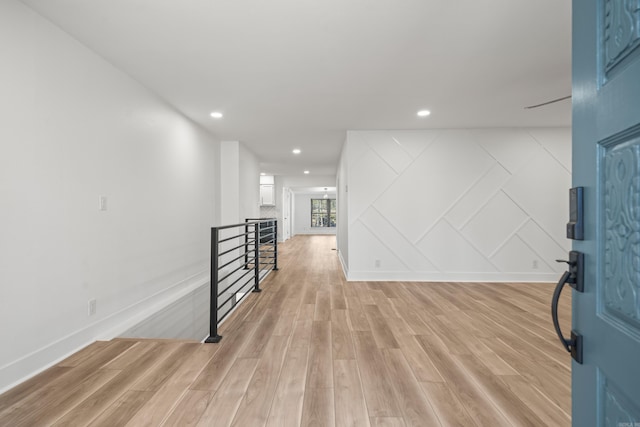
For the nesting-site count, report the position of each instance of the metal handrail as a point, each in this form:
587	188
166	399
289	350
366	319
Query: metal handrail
260	258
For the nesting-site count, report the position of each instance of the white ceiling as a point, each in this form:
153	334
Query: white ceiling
299	73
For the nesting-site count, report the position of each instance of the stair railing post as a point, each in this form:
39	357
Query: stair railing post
213	302
275	245
256	261
246	244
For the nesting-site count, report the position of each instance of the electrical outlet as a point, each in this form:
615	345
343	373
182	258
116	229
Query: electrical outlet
92	307
102	203
534	264
377	263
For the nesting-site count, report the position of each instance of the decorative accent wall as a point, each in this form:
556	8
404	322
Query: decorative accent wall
485	204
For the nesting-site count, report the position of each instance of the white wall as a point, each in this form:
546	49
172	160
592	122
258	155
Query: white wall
229	182
249	184
73	128
457	204
239	183
302	216
342	232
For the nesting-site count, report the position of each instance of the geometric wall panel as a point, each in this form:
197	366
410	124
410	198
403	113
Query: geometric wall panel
396	242
494	223
367	248
421	195
473	204
414	142
484	189
450	252
517	256
512	148
541	188
543	245
554	141
388	149
364	186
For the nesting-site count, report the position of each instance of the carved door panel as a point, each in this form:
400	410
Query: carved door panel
606	162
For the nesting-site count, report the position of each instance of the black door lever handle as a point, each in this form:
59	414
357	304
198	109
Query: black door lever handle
566	262
574	344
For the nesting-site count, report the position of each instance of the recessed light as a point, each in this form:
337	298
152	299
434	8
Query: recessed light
216	115
306	172
296	151
263	174
423	113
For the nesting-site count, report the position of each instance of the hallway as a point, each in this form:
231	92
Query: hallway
315	350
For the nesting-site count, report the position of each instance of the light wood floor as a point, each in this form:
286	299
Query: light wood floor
314	350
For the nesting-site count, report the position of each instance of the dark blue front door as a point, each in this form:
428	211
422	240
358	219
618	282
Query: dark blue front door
606	162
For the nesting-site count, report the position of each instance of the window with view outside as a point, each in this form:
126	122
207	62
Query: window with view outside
323	212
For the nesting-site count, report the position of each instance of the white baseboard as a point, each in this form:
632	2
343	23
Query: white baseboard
412	276
345	270
106	328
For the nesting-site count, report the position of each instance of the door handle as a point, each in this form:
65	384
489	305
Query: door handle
574	344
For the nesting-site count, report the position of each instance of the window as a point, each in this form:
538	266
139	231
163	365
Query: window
323	212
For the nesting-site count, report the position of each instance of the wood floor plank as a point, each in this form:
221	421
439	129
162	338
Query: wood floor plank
121	411
286	409
229	349
254	408
422	366
82	355
474	399
189	410
319	371
358	319
307	312
376	384
91	407
262	335
537	401
507	402
31	386
447	406
387	422
381	331
386	307
323	306
52	407
341	341
163	401
350	405
318	410
416	409
338	301
65	381
223	406
301	334
131	355
284	326
158	374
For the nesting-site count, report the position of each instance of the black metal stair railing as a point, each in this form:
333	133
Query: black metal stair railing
241	257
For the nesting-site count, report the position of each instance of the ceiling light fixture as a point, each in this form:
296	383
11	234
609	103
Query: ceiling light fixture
306	172
216	115
262	174
296	151
424	113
